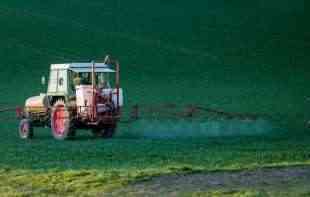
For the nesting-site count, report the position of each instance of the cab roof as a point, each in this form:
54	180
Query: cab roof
83	67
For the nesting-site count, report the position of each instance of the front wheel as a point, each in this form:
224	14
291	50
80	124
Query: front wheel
25	129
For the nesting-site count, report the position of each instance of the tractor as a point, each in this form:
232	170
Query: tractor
79	96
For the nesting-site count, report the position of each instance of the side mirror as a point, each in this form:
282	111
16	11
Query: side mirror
43	80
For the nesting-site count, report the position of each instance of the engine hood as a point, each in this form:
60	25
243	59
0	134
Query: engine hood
36	103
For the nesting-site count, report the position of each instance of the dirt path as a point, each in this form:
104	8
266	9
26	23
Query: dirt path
273	181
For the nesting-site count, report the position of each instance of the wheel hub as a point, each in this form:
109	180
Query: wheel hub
25	128
59	121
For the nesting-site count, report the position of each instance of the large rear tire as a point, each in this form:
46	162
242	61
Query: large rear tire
108	132
105	132
25	129
97	132
61	123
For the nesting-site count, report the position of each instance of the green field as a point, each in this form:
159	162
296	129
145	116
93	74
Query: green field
245	57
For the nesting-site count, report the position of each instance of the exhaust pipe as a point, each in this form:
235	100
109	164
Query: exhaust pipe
94	108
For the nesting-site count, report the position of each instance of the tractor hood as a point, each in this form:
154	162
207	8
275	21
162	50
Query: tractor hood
37	103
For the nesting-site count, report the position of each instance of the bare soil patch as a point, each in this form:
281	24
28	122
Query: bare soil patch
275	180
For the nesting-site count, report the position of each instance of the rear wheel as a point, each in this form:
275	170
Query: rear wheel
25	129
108	132
61	123
97	132
105	132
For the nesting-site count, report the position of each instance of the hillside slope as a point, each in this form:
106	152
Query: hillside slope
236	56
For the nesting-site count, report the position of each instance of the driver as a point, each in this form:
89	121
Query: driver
77	80
102	84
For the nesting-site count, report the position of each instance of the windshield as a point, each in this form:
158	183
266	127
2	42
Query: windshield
84	78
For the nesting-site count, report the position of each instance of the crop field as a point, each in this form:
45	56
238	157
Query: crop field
239	57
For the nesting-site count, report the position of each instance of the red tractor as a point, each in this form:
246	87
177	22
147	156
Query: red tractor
79	95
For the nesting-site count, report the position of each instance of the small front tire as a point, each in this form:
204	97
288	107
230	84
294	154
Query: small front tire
25	129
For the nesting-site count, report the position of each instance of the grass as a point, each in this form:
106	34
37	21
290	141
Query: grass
89	166
233	56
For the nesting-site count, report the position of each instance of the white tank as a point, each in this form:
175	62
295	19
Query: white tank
106	92
84	97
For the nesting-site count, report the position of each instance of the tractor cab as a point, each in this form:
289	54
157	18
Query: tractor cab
87	84
64	78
